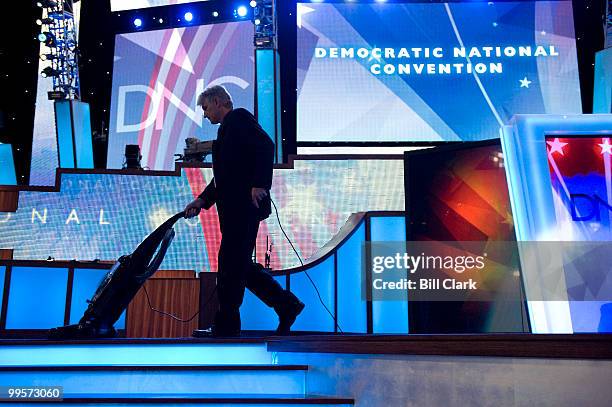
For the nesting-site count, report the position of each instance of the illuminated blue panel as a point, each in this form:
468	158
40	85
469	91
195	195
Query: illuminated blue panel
389	316
82	134
84	285
7	174
116	353
2	276
37	298
351	305
195	383
255	314
265	90
533	207
602	90
64	133
315	317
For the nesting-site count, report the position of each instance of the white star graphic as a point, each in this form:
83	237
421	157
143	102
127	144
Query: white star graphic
301	10
524	82
556	146
606	147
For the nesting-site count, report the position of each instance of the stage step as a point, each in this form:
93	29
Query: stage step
190	400
134	352
166	380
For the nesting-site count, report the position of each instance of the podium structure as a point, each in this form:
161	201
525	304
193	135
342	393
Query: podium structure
536	152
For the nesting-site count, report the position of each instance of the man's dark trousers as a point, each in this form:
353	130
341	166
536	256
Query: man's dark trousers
239	226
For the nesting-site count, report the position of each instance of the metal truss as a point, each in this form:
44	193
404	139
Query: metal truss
61	40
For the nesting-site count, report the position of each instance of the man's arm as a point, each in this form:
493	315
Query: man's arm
263	151
205	200
209	195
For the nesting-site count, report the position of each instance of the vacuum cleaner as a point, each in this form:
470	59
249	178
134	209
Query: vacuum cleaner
120	285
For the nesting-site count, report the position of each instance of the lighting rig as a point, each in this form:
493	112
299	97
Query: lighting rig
608	25
59	34
264	18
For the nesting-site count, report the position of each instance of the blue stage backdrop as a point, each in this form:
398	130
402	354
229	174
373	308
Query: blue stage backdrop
431	72
103	216
157	76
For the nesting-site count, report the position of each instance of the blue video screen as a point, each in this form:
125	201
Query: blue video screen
157	77
418	72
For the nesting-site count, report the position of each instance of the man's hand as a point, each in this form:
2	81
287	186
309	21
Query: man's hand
257	194
193	209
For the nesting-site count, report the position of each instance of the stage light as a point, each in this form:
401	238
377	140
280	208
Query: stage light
137	22
47	21
161	20
46	4
215	14
253	3
47	38
242	11
48	71
47	57
257	21
188	16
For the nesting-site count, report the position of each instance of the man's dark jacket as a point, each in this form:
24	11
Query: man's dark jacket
243	156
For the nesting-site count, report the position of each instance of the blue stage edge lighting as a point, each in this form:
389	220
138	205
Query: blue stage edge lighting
137	22
188	16
242	11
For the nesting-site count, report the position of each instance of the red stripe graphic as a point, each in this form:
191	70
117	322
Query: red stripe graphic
208	218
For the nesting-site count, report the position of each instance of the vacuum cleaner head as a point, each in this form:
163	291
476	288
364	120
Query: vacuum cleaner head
119	286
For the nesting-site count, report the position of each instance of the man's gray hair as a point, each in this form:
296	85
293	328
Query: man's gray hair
219	92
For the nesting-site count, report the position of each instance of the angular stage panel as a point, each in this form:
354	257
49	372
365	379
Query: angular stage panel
105	214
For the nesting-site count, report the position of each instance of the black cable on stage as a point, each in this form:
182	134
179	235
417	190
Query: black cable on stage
174	316
305	272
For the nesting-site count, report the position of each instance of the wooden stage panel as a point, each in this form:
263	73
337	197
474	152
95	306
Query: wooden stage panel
173	291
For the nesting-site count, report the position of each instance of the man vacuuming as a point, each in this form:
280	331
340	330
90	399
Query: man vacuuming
242	155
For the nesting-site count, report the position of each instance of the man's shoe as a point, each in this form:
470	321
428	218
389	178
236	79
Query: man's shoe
214	333
287	316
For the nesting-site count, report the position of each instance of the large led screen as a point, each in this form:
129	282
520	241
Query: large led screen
460	194
431	72
119	5
104	216
157	77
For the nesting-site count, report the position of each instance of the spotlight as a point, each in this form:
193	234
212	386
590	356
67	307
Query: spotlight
47	57
46	4
253	3
188	16
257	21
47	38
48	72
137	22
161	20
47	21
242	11
215	14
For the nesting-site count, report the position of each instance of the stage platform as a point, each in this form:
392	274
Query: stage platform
346	370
